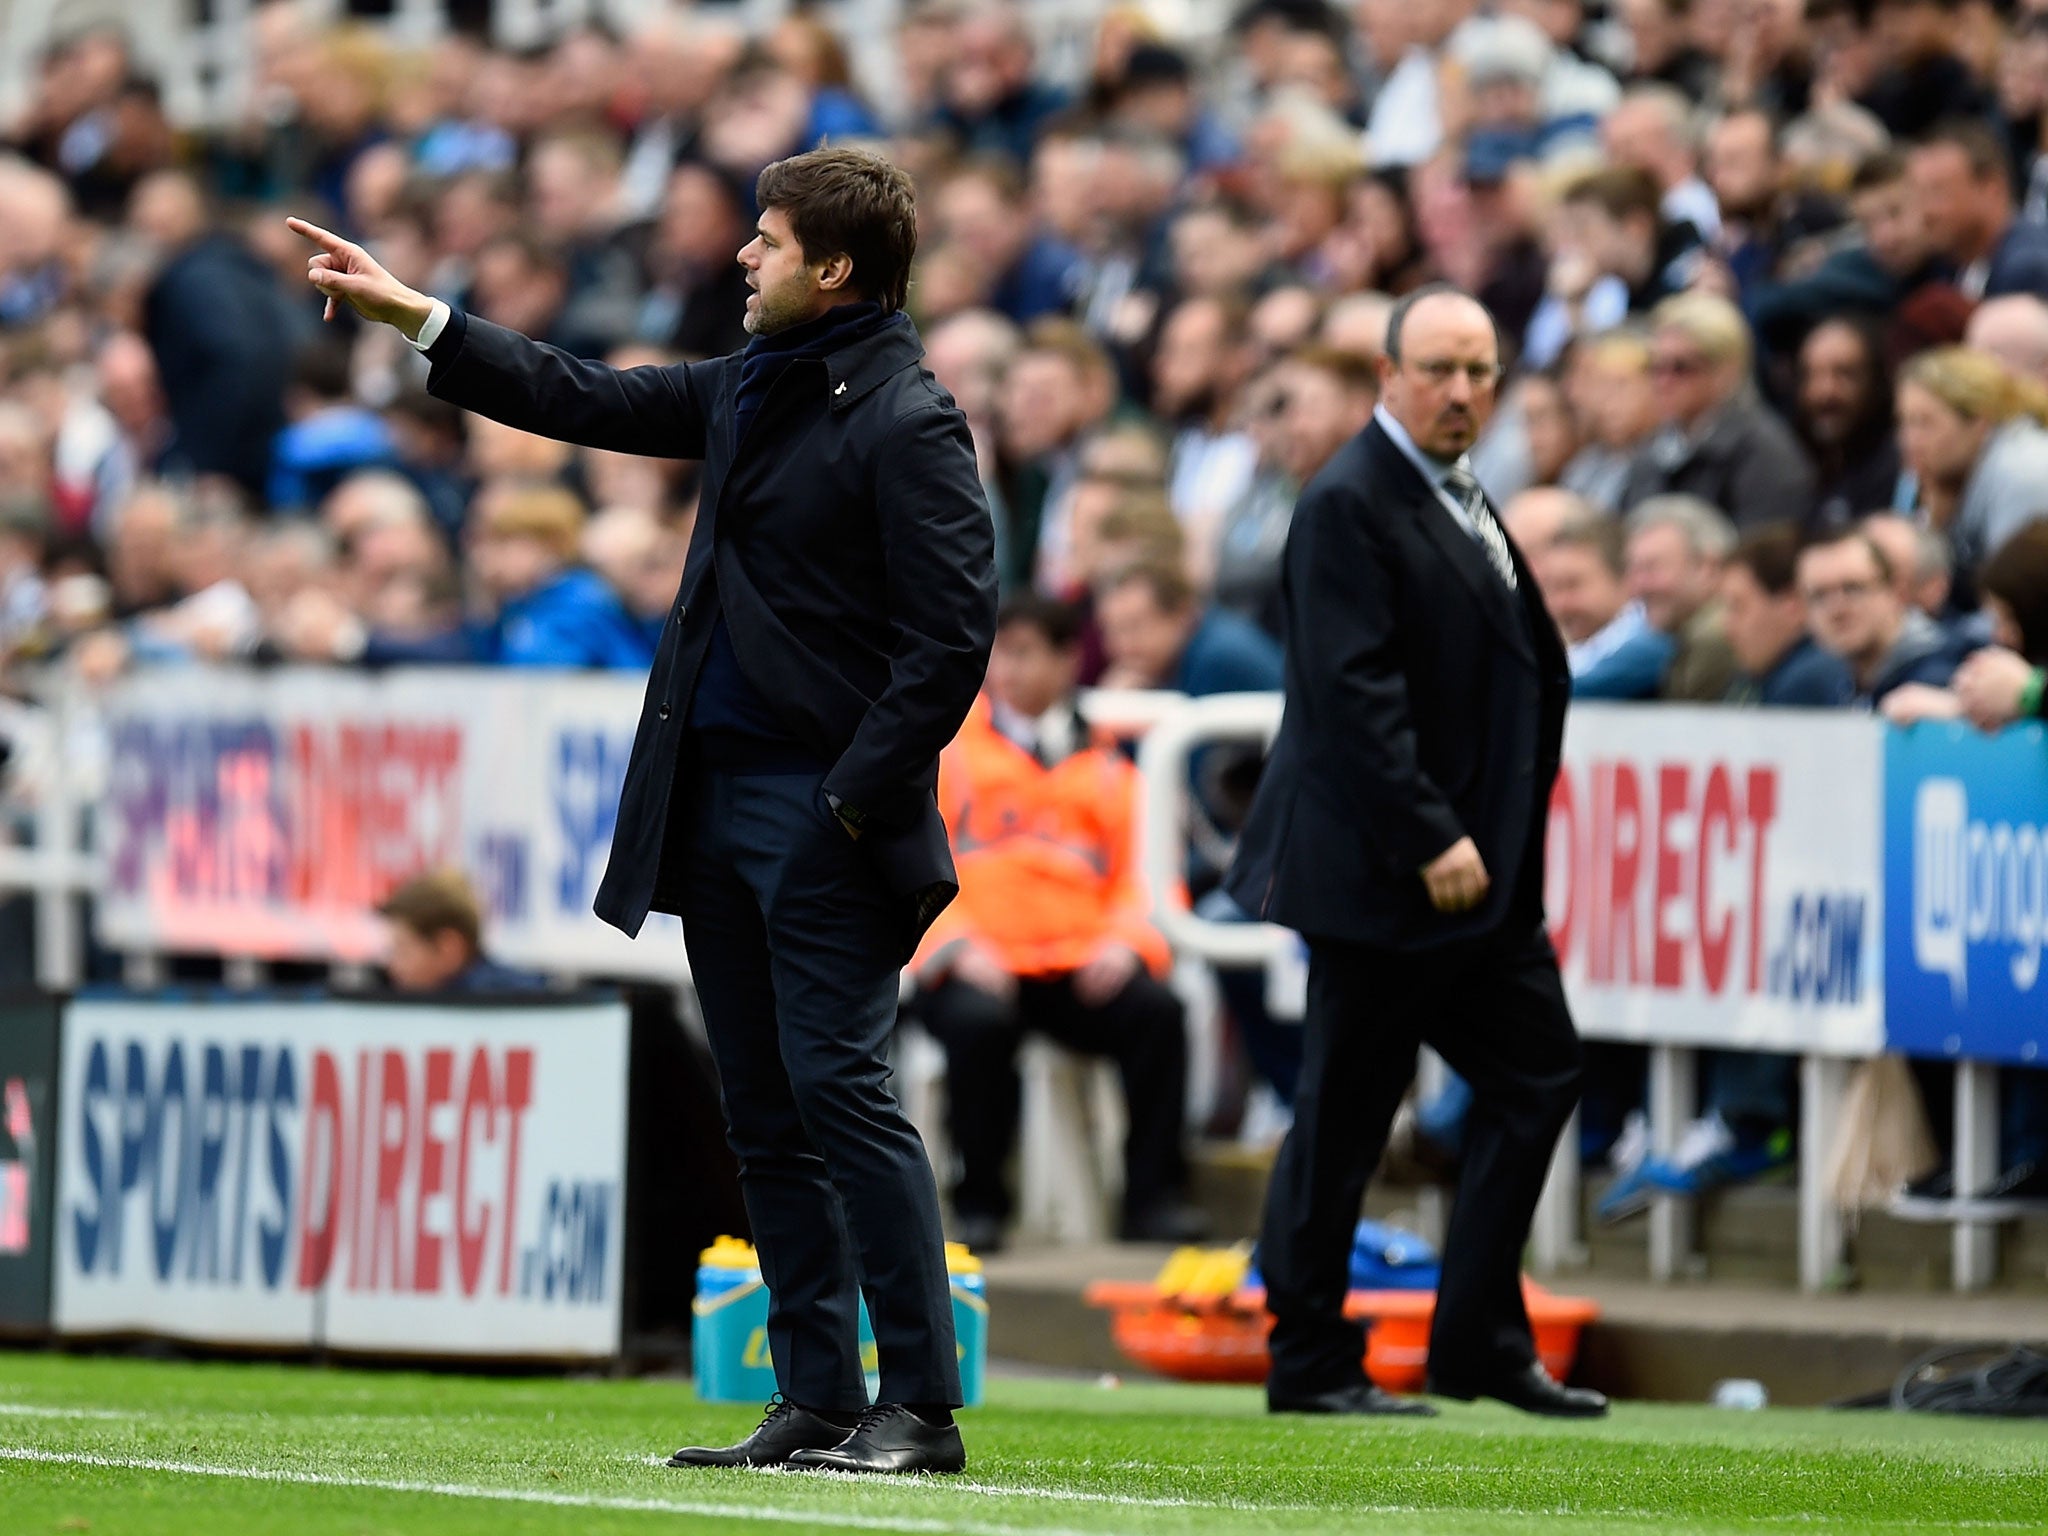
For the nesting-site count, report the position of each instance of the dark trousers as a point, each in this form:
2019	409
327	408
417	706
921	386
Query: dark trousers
793	943
1142	1029
1495	1011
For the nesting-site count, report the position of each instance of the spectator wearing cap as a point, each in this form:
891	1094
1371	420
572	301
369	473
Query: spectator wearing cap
1718	441
982	208
1972	435
1677	548
1612	255
435	945
1844	419
2014	329
1962	177
549	612
1857	616
1779	665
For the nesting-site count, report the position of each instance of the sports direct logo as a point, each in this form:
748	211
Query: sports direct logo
395	1170
1975	884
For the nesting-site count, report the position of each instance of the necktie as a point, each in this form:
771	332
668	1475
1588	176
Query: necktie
1465	490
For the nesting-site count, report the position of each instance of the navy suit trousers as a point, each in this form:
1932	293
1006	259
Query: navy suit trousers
794	945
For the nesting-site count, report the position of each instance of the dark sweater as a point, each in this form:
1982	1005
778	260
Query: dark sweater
734	725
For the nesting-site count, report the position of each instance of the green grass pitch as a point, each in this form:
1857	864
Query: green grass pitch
112	1446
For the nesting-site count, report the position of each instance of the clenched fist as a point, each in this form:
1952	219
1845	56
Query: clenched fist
1457	877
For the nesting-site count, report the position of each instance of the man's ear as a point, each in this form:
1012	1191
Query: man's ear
836	273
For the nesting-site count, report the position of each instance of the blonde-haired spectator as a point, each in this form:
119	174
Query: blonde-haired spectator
1718	441
1971	432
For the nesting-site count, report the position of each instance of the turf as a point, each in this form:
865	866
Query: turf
112	1446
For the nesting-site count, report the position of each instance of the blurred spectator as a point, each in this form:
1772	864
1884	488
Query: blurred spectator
330	436
436	939
1719	442
1921	79
991	101
2014	329
1056	390
1613	650
696	296
223	331
640	558
1613	254
1856	614
1972	436
1051	933
1892	257
1677	548
1607	386
1962	177
982	208
1845	420
1652	131
1777	661
1201	364
1158	635
2005	681
1919	558
523	541
1319	399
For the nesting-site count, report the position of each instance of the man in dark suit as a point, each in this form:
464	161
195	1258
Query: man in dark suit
834	621
1399	826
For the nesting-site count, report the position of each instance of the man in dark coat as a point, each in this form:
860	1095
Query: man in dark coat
1399	827
832	629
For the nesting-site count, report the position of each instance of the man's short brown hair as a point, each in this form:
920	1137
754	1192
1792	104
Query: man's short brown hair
1619	191
439	901
852	203
1168	584
1771	555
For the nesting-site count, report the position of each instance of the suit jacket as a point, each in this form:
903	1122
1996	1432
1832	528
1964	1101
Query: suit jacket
1425	703
847	544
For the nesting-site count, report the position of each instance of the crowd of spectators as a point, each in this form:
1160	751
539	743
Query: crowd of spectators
1771	278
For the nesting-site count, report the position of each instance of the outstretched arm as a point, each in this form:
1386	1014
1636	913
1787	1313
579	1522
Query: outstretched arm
512	378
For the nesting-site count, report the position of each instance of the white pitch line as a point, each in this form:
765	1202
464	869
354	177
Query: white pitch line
705	1511
943	1485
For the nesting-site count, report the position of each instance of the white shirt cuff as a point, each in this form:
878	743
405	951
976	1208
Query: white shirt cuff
436	322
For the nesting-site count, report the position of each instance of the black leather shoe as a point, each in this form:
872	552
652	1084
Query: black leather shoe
890	1438
1359	1399
786	1430
1533	1391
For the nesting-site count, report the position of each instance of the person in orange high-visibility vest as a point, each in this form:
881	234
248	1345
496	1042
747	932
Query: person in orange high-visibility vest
1050	931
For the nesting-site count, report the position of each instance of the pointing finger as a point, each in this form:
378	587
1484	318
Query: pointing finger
326	239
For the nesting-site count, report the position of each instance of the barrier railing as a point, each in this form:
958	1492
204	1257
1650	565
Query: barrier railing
1719	877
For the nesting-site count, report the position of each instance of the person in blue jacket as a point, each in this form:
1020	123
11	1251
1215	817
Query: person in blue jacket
1157	635
550	612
